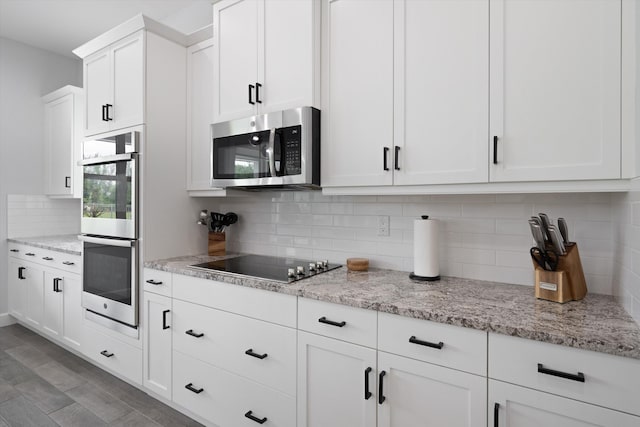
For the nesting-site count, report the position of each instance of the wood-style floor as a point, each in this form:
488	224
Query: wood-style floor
44	385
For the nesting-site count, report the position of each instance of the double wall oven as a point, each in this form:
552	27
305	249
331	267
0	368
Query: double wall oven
109	227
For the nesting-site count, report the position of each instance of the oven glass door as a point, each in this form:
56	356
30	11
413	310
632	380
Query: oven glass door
110	279
109	197
110	145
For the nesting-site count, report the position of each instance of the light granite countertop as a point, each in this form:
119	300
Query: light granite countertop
598	322
67	243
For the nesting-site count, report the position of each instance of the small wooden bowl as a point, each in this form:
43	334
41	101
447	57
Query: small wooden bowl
357	264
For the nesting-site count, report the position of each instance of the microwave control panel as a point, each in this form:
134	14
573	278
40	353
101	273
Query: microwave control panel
292	150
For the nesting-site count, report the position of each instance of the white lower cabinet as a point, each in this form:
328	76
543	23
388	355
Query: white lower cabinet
336	383
157	344
45	292
34	276
227	399
514	406
52	316
414	393
113	354
17	288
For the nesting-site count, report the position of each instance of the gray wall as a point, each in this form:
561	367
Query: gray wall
26	73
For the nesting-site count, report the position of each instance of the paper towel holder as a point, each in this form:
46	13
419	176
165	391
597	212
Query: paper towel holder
413	276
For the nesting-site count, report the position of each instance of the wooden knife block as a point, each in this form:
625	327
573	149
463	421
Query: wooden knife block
217	244
567	283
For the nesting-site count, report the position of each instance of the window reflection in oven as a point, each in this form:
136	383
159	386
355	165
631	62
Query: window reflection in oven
107	190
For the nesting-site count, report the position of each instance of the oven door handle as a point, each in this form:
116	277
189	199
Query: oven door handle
109	159
108	242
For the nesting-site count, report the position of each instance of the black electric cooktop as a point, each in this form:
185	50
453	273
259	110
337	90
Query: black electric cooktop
285	270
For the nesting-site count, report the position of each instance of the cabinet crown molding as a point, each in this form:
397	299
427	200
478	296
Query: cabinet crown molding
138	22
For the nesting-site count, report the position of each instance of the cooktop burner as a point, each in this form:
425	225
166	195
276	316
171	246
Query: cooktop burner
285	270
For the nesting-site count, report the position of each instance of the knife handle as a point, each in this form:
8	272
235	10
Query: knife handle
555	240
564	230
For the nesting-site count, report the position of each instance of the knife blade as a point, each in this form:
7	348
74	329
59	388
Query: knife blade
538	237
556	240
546	222
564	230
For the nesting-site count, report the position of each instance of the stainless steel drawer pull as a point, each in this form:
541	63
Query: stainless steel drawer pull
193	389
256	419
105	353
414	340
331	322
574	377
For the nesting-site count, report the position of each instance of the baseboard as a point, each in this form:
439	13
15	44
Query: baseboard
6	320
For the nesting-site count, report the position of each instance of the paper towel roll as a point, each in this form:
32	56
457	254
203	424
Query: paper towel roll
426	249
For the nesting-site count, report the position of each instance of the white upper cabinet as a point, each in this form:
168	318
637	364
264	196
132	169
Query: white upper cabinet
441	87
406	92
266	56
200	98
555	89
114	84
357	115
63	135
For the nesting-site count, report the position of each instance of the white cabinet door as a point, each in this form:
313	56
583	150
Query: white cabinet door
34	283
331	383
59	140
235	58
97	86
357	122
200	96
17	288
114	86
53	303
157	349
555	89
72	310
127	65
287	58
418	393
515	406
441	91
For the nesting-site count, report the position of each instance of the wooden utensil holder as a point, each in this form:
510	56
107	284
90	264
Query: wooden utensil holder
567	283
217	244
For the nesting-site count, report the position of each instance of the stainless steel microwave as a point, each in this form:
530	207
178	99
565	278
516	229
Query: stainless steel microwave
278	150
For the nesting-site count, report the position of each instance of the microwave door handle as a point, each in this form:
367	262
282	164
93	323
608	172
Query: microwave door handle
271	152
108	242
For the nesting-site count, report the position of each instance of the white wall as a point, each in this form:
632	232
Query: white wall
37	215
485	237
26	73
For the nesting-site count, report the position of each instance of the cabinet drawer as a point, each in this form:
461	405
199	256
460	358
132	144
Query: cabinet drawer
260	351
256	303
609	381
227	399
47	257
446	345
157	282
115	355
342	322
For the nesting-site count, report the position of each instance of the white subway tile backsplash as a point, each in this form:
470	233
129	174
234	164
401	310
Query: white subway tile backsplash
36	215
484	237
